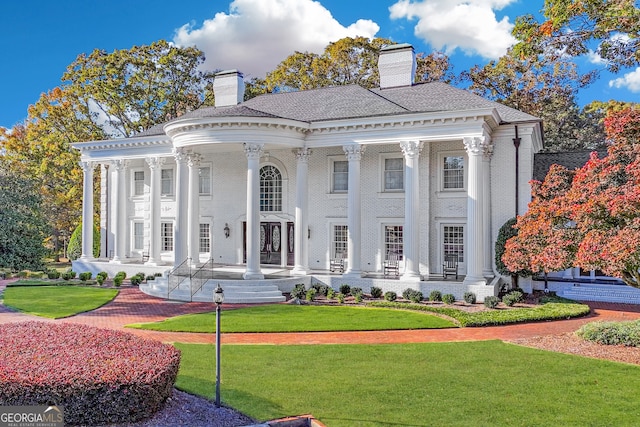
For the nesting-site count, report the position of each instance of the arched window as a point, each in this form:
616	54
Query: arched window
270	189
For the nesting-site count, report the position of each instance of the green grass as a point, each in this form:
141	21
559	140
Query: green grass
300	318
487	383
56	301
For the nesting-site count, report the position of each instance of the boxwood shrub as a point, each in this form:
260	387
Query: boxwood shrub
390	296
435	296
100	376
376	292
612	333
448	299
491	301
469	297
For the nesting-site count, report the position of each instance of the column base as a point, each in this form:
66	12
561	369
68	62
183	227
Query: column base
474	281
411	277
115	260
253	276
299	271
152	263
488	274
86	258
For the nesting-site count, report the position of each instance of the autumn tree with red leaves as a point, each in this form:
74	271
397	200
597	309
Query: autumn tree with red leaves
588	218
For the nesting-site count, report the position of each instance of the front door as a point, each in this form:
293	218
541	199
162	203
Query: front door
271	243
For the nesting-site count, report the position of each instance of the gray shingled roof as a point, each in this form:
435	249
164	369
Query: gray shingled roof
353	101
569	159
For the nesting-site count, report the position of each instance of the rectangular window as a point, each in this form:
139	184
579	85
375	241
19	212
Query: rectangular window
138	236
339	244
166	236
393	174
340	180
453	173
205	238
204	183
166	182
138	183
393	241
453	240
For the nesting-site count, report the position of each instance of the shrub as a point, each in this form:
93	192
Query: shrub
103	274
491	301
321	289
469	297
435	296
340	297
141	275
99	280
311	294
376	292
53	274
122	274
85	276
612	333
331	293
298	291
117	281
99	376
512	298
358	298
67	275
23	274
136	280
448	298
150	277
356	291
412	295
390	296
345	289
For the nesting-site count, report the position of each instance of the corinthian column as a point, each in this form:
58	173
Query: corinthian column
411	230
154	215
301	249
253	152
87	210
354	220
475	147
194	208
487	270
182	201
119	211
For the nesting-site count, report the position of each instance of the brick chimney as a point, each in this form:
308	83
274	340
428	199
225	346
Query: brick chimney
397	65
228	88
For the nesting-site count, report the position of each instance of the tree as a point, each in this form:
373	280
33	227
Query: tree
571	26
22	228
348	61
543	89
589	218
129	91
74	250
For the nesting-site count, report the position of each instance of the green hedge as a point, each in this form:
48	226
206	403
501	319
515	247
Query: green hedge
554	309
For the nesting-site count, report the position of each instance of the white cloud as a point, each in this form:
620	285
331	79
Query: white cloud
256	35
470	25
630	81
595	58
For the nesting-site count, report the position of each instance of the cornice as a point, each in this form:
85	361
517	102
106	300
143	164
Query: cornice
111	144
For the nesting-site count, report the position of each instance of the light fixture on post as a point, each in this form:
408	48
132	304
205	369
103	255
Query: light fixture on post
227	230
218	298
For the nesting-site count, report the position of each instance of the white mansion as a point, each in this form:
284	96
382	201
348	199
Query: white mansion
295	181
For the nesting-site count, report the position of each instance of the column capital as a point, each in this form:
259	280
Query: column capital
411	149
475	145
302	154
193	159
488	151
154	162
354	152
87	166
181	155
253	151
120	164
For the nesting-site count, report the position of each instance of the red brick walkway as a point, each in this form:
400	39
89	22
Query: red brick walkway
133	306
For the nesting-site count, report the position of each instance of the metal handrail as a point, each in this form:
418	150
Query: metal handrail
178	275
201	276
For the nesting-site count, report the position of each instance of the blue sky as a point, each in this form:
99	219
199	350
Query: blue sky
40	38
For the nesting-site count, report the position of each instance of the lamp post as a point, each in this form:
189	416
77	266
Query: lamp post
218	298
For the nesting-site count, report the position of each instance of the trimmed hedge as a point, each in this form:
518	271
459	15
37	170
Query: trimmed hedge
553	309
100	376
612	333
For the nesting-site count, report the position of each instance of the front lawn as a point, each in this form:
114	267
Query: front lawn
300	318
487	383
57	301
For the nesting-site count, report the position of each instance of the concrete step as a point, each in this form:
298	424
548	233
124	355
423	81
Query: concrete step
602	293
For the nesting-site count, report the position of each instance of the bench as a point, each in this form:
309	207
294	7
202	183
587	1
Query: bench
391	265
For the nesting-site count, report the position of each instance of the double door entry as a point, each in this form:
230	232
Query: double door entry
276	243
